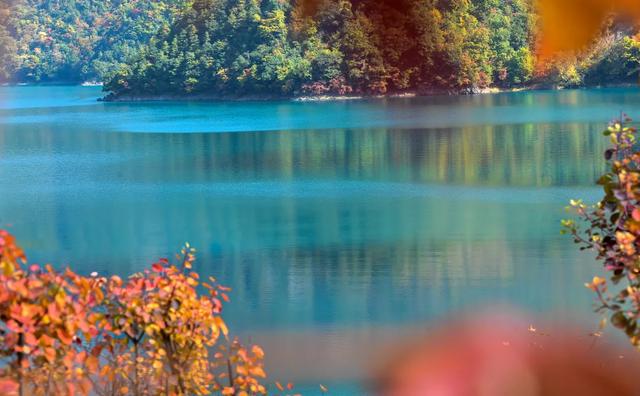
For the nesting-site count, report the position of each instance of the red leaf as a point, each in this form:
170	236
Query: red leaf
157	267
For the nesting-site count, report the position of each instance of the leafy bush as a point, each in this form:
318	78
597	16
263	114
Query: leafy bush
155	333
336	86
613	231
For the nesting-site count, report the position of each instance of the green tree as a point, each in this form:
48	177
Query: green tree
620	63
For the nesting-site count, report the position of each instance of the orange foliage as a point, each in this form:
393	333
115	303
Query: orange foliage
567	25
571	25
155	333
10	253
46	318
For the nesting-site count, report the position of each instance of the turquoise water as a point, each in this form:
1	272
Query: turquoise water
327	219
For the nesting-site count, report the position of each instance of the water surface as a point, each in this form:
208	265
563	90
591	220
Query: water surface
330	219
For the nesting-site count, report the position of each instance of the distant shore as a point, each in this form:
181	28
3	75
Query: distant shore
302	98
110	97
250	98
329	98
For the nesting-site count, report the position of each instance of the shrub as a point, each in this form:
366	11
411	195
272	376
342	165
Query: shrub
335	86
612	229
155	333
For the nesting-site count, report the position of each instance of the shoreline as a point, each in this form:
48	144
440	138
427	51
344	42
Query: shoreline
336	98
111	98
305	98
250	98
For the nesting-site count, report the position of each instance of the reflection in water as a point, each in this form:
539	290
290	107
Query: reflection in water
506	155
320	227
318	230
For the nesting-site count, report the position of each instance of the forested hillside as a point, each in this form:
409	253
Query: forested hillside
373	47
277	47
76	40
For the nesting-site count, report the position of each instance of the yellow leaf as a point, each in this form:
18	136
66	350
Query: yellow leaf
257	351
258	372
223	327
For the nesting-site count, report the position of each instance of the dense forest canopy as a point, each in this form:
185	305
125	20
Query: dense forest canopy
76	40
278	47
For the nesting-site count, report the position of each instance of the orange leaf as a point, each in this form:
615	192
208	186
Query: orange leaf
257	351
258	372
30	339
92	363
64	337
50	354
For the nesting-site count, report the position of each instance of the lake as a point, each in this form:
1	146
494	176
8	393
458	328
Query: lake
335	223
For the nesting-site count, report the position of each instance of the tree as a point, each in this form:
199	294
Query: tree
620	63
8	45
467	46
